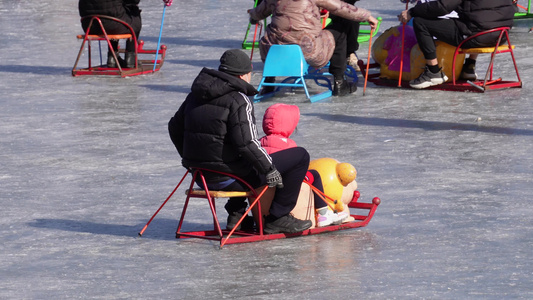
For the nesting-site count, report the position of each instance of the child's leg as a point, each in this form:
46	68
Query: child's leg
314	178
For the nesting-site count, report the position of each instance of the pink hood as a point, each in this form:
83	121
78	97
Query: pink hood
279	122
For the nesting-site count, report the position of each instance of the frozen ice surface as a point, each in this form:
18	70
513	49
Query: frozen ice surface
86	161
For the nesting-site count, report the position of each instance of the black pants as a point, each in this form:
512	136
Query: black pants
446	30
317	182
345	33
339	27
292	164
113	27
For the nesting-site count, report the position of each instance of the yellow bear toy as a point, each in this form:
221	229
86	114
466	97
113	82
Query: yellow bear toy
338	180
336	176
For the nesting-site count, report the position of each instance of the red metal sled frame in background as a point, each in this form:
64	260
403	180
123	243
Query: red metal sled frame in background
141	66
235	237
487	83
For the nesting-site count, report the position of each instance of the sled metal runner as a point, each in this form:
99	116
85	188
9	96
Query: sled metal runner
142	66
459	86
365	212
237	237
488	82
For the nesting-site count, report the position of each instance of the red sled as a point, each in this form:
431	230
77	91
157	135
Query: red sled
244	236
488	82
145	66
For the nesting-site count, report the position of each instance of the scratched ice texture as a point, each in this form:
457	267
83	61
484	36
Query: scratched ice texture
86	161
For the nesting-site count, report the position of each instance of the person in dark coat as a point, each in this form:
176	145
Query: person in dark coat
300	23
125	10
474	16
352	33
214	128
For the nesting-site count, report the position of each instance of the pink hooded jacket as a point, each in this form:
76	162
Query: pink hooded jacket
279	122
298	22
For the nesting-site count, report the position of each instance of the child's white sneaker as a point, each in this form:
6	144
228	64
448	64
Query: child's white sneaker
327	218
342	216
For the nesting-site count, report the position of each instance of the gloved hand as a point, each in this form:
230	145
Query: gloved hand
167	2
252	21
273	178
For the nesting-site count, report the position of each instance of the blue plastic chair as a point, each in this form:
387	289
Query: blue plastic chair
288	61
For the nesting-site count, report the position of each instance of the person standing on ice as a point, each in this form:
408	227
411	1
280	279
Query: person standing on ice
125	10
279	122
214	128
474	16
299	22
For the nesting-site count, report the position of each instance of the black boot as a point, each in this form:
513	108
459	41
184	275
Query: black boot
268	89
342	87
469	70
111	62
130	54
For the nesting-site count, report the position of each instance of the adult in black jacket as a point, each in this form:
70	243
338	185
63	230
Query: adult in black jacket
125	10
474	16
214	128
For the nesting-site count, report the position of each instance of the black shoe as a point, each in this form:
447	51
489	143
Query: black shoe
286	224
428	78
268	89
112	63
247	223
342	87
129	61
469	70
129	57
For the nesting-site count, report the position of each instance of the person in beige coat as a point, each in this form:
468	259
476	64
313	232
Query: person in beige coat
299	22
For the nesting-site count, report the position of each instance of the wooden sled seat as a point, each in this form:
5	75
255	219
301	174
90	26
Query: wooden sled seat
101	37
218	194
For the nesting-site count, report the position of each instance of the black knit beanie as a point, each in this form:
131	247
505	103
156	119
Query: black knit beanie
235	62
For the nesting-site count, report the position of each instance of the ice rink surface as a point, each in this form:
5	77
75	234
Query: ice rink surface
86	161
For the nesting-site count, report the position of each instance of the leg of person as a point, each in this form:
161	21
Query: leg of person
352	34
337	66
425	29
268	89
469	68
136	24
324	215
129	57
292	164
352	45
113	27
487	40
314	178
236	206
111	62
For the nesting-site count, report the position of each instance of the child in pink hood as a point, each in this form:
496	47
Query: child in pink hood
279	122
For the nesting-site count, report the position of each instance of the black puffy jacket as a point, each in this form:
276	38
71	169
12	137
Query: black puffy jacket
215	128
125	10
474	15
113	8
